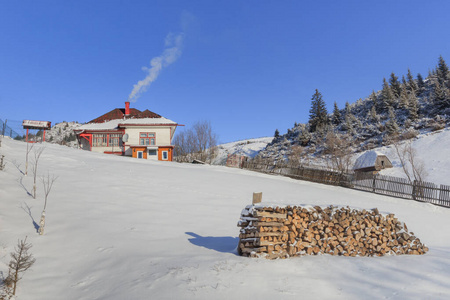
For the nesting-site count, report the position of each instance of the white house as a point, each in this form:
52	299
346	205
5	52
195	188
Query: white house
128	131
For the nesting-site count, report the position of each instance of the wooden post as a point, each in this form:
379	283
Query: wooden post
374	183
257	198
42	223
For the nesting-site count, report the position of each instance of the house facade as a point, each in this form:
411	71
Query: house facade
130	132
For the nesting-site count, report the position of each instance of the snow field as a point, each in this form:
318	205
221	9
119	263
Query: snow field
121	228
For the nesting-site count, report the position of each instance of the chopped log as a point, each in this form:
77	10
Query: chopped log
258	213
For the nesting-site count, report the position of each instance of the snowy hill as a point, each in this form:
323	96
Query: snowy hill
249	148
431	150
402	109
122	228
62	133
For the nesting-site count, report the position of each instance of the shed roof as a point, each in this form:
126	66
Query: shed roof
367	159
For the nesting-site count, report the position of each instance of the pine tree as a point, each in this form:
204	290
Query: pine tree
336	119
387	97
420	82
413	106
404	101
373	114
442	71
374	99
304	137
318	115
391	124
411	82
348	119
277	134
441	96
395	85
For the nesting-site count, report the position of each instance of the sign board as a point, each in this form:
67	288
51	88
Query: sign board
36	124
257	197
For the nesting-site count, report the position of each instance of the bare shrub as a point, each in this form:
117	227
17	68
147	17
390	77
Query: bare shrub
198	142
47	182
338	147
413	167
29	148
21	261
409	134
296	156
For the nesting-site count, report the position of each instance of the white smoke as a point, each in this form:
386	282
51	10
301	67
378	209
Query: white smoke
171	53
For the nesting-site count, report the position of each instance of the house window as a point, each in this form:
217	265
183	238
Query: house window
152	152
147	138
114	139
99	140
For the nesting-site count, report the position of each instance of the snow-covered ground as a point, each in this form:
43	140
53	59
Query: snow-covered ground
432	150
122	228
250	148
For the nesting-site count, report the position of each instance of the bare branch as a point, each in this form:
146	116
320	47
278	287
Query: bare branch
29	148
338	147
413	168
21	261
47	182
34	167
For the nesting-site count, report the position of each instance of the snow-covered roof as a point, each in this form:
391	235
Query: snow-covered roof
148	121
109	125
114	124
367	159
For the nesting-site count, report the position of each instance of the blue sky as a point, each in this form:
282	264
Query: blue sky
248	67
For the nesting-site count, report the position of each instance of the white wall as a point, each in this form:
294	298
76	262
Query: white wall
162	134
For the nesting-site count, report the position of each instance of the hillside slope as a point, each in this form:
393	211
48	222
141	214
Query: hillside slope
122	228
431	149
249	148
402	109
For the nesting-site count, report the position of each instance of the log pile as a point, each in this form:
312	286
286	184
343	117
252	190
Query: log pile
281	232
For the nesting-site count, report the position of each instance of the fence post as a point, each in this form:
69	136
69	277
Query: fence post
414	190
4	128
374	182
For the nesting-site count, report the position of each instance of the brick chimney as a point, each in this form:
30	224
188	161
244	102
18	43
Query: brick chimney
127	108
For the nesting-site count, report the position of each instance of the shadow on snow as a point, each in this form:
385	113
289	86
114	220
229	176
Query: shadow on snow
225	244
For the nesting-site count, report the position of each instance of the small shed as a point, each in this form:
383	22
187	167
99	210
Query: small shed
372	161
236	160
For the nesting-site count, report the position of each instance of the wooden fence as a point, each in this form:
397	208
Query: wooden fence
375	183
315	174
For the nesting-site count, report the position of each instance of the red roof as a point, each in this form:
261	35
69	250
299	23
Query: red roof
119	113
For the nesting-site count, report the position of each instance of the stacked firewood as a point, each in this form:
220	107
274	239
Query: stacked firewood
276	232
